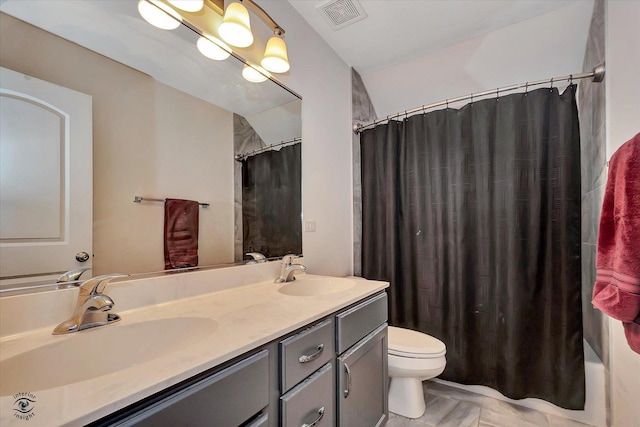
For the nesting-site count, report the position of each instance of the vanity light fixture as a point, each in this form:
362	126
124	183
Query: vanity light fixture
275	57
255	73
213	48
275	54
159	14
187	5
235	30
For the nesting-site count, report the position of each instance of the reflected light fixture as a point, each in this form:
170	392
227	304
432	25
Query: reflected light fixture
213	48
187	5
159	14
254	73
235	28
275	54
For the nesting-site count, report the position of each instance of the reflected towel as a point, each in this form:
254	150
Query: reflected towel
181	233
617	288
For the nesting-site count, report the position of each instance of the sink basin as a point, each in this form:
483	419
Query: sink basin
305	286
99	351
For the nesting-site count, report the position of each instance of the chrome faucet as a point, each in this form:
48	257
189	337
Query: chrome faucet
287	268
72	275
92	306
257	257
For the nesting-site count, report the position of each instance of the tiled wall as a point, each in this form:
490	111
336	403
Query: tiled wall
591	107
245	139
363	112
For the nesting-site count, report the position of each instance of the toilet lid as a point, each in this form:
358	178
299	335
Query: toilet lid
405	342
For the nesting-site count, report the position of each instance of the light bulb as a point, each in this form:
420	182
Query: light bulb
275	56
235	28
159	14
218	50
254	73
188	5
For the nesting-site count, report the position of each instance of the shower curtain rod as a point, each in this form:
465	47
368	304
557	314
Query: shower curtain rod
241	157
597	76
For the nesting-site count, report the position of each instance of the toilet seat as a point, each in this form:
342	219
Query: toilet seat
414	344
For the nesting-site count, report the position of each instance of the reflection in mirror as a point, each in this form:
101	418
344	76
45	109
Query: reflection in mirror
166	123
271	222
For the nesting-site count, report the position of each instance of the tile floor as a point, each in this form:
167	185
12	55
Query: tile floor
452	407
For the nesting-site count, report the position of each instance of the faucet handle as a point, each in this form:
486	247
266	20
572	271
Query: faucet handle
257	256
288	259
71	275
96	285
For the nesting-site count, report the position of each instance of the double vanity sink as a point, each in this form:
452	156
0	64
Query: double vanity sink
173	327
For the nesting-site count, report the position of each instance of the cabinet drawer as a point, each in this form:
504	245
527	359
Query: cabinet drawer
354	324
215	399
312	400
303	353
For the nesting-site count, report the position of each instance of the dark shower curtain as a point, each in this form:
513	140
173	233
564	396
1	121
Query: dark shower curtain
271	202
473	216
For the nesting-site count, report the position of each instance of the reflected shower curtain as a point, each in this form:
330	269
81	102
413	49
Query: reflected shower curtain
271	202
473	216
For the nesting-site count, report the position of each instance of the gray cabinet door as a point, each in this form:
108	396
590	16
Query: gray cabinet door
225	399
362	382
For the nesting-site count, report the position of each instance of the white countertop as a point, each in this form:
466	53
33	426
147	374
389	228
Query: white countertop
247	317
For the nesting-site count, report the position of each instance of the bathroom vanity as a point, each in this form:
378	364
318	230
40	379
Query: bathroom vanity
249	352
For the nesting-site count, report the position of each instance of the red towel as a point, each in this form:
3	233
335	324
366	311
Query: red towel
617	288
180	233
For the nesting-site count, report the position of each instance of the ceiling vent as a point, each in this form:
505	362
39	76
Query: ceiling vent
340	13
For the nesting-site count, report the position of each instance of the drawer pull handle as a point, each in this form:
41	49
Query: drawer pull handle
317	420
348	389
305	359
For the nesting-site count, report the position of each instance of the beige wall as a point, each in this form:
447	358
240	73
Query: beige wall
149	140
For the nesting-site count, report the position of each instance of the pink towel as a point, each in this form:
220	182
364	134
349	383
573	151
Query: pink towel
617	288
180	233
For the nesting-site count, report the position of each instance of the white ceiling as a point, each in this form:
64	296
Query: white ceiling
399	30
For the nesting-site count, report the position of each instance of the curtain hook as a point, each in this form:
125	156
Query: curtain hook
526	88
447	101
472	98
570	79
406	116
551	88
497	93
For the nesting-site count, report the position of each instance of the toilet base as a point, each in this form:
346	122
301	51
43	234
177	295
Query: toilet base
406	397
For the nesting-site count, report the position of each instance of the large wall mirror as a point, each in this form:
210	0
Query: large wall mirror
161	120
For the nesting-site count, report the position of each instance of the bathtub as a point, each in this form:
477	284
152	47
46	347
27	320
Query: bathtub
594	412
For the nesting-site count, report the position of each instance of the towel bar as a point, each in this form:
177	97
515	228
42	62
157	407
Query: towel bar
138	199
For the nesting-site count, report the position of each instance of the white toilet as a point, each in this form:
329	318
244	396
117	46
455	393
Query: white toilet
413	357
